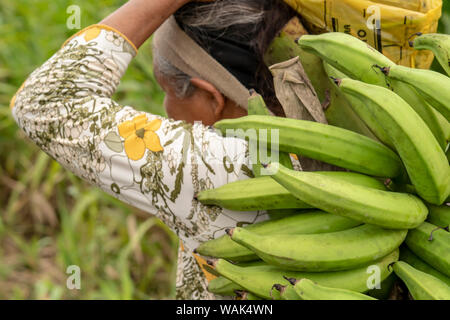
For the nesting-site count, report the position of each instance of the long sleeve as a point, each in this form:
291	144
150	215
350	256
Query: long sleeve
152	163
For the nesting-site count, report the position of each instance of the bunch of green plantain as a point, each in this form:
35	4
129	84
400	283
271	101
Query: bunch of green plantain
352	234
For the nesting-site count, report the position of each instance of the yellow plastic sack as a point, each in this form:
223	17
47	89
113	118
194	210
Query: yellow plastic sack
387	25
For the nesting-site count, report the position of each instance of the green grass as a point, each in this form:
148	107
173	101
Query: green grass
49	218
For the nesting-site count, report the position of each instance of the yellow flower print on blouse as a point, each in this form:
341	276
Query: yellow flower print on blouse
139	135
92	33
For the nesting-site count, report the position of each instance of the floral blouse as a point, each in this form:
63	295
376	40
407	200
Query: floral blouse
152	163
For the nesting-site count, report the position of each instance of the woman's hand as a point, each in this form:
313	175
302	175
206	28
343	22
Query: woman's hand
139	19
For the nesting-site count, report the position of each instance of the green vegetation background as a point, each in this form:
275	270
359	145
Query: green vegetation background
49	219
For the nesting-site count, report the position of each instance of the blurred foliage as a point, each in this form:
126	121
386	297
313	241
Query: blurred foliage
444	27
50	219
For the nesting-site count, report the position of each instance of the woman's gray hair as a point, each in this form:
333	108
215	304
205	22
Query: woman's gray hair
180	81
223	14
217	15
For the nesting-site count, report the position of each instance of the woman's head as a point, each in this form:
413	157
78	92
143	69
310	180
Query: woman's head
236	33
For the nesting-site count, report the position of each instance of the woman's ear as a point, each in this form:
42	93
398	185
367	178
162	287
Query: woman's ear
217	98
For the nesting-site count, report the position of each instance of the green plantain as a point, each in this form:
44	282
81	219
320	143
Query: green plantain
438	43
434	86
309	290
359	61
409	257
264	193
421	154
260	280
332	194
312	222
421	285
334	251
432	245
322	142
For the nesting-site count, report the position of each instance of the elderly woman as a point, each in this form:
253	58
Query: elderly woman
206	58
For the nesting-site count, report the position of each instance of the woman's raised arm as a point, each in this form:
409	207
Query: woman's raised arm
139	19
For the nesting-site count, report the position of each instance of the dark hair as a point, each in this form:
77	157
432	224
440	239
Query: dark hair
255	22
